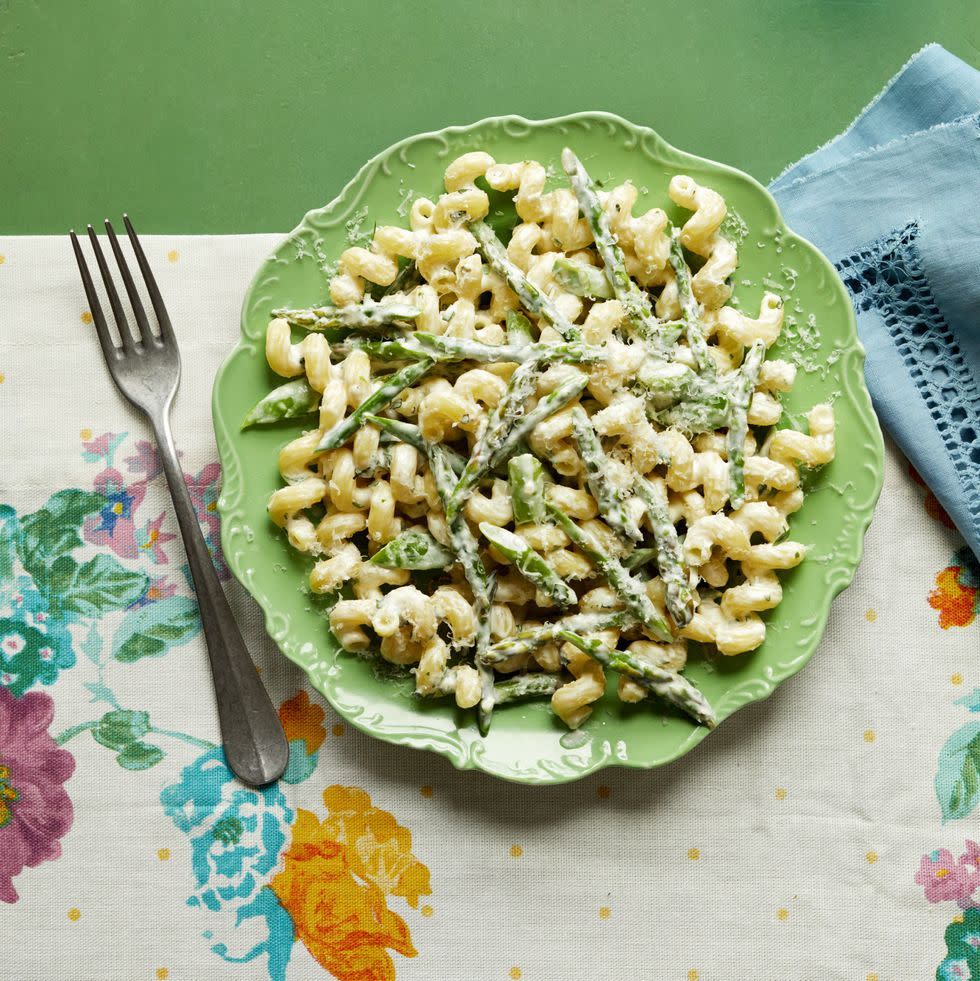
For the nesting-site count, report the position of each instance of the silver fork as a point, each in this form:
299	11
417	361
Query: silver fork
146	370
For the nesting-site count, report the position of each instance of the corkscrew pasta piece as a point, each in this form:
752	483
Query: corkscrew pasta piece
645	240
813	450
461	406
732	324
556	212
347	621
711	625
330	574
572	703
638	375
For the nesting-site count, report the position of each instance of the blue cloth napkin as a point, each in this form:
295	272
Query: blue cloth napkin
894	202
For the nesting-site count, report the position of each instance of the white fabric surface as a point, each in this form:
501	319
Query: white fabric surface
604	886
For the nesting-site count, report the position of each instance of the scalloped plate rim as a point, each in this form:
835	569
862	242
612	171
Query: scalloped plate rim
459	754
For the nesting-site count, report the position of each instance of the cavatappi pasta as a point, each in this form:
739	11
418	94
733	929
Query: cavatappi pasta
539	461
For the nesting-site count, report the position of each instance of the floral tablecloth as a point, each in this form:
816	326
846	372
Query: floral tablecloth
825	833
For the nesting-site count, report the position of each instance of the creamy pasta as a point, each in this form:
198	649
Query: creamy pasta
544	453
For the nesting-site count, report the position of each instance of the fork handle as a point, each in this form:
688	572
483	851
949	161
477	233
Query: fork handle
254	742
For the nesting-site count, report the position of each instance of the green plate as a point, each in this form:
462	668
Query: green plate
528	743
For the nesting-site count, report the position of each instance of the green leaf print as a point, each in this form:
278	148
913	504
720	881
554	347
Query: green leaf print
153	630
28	655
52	531
102	585
958	775
139	756
92	644
119	729
962	948
9	534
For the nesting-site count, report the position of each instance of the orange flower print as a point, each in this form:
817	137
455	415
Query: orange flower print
303	720
335	880
931	503
956	592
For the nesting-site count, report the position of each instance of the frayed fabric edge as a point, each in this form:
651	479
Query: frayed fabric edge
973	117
859	116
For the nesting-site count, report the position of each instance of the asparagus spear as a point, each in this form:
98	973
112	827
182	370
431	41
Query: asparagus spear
400	349
295	398
563	393
529	563
524	686
741	394
501	420
421	344
526	478
635	301
412	435
581	279
488	695
413	550
531	298
610	499
408	278
704	413
691	309
639	557
481	585
517	688
390	388
518	329
509	424
670	555
367	315
631	591
666	379
668	685
461	538
531	638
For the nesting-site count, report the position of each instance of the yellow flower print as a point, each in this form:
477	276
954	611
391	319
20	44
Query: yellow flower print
339	911
379	848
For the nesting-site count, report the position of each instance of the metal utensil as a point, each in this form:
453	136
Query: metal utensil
146	370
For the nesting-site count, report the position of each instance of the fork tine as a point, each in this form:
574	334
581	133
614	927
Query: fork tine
109	350
166	329
146	333
122	322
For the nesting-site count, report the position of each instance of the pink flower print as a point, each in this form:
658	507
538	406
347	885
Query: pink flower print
45	653
37	620
35	810
101	449
943	879
204	489
204	493
12	644
146	460
152	540
113	526
971	857
957	970
970	863
158	589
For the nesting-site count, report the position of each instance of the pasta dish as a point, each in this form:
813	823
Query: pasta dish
542	452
